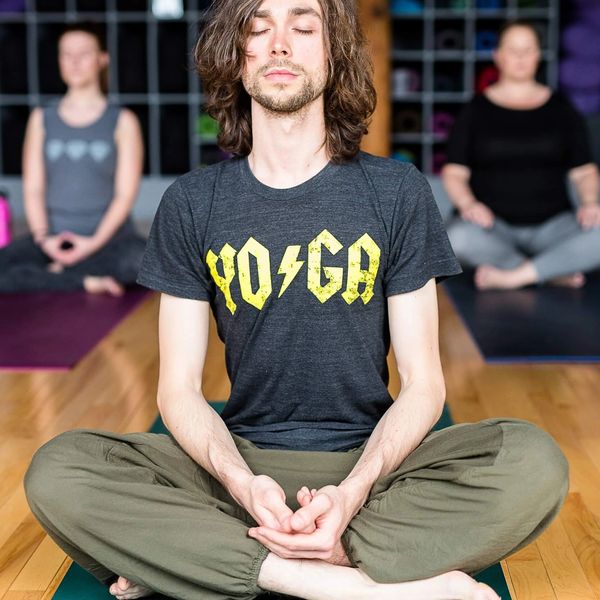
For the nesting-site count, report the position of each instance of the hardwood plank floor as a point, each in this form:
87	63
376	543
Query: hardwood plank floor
114	388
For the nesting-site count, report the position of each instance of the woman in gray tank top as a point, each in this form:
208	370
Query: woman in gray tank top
82	163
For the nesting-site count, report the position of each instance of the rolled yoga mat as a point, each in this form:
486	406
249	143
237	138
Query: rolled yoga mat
78	584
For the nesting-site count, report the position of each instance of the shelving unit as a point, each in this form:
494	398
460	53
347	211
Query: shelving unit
435	46
150	73
441	55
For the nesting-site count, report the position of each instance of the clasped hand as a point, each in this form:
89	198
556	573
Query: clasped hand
313	531
80	247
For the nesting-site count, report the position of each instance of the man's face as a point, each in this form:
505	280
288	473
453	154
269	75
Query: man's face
285	65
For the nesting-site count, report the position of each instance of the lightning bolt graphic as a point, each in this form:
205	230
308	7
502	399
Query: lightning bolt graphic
290	265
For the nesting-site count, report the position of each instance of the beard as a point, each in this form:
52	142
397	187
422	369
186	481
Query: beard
282	103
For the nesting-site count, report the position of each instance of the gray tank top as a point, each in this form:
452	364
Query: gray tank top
80	171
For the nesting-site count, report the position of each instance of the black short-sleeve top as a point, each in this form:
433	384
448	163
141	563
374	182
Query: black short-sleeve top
519	158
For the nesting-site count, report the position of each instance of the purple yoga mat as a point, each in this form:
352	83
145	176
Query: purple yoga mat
53	331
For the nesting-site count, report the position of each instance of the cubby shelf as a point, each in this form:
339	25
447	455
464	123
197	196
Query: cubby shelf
441	57
150	73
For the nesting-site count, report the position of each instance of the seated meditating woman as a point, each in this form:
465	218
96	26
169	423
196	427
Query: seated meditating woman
82	163
510	156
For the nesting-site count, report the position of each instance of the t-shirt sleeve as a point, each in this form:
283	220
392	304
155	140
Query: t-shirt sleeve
578	150
419	245
457	149
172	262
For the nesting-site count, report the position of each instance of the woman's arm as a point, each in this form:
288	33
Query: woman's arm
587	185
130	160
455	178
34	177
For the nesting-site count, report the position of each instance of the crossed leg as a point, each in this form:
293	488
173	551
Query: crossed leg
458	503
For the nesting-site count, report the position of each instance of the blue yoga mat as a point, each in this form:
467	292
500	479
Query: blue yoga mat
534	324
78	584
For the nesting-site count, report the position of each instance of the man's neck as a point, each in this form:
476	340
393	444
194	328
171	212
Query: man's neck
287	150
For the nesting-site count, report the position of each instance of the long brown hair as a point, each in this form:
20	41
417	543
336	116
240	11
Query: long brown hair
349	95
94	30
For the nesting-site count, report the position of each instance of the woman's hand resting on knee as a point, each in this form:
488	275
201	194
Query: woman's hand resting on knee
479	214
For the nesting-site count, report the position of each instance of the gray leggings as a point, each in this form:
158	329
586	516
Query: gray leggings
556	247
24	267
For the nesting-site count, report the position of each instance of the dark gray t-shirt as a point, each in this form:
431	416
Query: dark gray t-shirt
298	279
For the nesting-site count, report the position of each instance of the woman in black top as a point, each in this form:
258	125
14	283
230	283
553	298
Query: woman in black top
509	157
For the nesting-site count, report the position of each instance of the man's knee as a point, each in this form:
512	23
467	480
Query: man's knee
533	465
48	481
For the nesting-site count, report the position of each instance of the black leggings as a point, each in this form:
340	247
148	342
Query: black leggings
24	267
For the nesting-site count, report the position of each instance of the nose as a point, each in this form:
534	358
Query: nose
280	45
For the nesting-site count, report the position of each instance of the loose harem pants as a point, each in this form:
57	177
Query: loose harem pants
137	505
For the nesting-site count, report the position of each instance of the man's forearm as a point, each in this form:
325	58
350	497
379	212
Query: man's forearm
200	431
398	433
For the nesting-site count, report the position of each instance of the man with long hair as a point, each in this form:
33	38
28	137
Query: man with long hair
313	482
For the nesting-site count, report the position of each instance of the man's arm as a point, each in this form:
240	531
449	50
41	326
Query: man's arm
183	339
413	319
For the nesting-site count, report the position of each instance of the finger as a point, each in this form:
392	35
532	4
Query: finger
286	552
283	513
266	518
306	515
316	541
303	496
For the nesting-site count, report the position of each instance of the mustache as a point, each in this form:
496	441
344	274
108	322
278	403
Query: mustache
281	64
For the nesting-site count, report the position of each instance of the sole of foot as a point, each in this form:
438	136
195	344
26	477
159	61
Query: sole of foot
103	285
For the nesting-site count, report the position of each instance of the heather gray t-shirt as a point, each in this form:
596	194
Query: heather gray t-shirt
298	280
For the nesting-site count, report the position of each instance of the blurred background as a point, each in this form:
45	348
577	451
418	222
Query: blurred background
432	57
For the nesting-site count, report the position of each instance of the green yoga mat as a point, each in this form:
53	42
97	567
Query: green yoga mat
78	584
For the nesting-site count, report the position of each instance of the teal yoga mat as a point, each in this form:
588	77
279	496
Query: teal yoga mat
80	585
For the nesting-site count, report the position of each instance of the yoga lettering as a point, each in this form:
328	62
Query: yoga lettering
234	262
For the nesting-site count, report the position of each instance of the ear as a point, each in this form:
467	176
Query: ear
104	59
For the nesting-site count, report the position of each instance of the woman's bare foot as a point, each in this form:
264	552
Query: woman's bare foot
576	280
488	277
124	589
55	267
102	285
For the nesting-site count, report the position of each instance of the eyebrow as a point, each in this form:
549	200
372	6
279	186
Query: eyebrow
296	11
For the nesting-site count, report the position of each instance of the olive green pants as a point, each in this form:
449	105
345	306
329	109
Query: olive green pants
136	505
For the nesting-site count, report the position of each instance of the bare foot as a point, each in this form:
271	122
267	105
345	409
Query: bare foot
488	277
454	585
102	285
124	589
577	280
55	267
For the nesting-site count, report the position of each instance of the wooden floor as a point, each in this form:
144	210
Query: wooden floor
114	388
